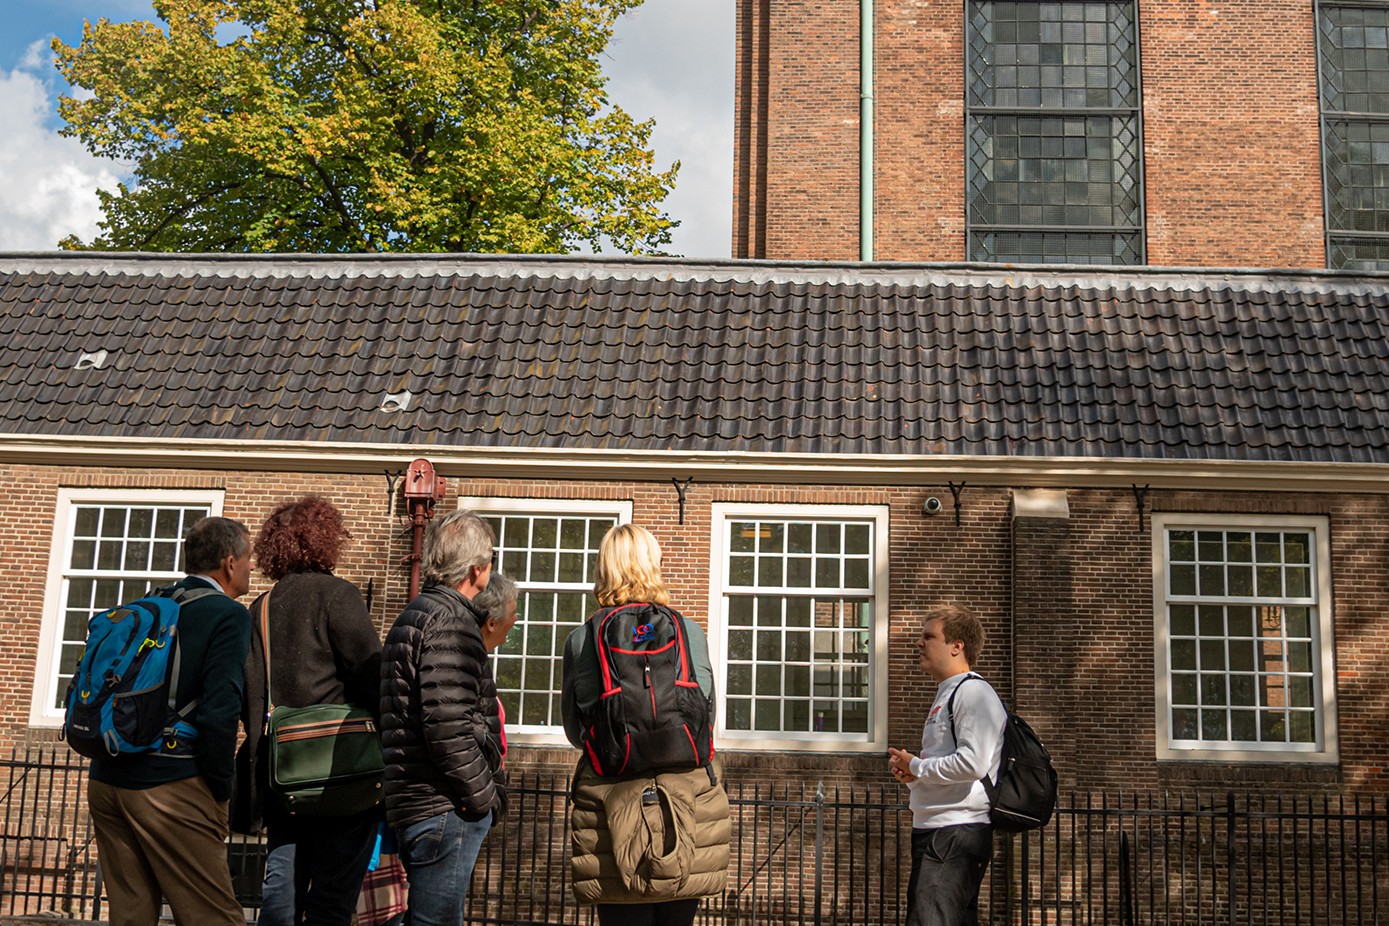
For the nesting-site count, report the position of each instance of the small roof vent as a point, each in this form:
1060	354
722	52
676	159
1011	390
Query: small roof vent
396	401
90	361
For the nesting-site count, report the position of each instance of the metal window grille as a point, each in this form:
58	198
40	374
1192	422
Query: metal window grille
1054	133
1353	66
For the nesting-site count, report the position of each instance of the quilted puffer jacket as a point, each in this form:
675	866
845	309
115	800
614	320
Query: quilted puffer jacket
440	728
649	838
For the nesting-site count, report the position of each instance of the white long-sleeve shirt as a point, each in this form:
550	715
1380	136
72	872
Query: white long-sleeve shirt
947	790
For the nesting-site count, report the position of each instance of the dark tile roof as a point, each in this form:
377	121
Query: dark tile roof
821	359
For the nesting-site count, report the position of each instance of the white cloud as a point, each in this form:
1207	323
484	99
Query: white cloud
673	60
50	182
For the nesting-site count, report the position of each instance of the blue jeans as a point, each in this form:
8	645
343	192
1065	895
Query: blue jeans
948	865
314	868
439	855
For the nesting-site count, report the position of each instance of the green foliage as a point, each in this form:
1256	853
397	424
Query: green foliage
365	125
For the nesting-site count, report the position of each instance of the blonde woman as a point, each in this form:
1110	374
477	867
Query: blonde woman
650	816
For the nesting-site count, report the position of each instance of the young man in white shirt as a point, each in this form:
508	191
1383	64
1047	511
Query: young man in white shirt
952	838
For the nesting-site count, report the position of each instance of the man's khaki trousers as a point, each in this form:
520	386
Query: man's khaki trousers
166	842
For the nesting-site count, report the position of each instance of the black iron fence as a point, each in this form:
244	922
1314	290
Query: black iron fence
823	856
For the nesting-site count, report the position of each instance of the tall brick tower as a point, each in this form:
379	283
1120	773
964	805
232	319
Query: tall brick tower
1161	132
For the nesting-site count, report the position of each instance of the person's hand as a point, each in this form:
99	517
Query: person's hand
899	762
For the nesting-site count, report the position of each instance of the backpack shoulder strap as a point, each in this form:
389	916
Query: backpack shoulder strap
184	595
181	597
950	702
990	785
682	637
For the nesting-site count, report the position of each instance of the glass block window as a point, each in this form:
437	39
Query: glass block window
1244	635
550	549
1353	45
801	610
1054	166
108	548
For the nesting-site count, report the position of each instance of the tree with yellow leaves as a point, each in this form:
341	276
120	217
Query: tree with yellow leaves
365	125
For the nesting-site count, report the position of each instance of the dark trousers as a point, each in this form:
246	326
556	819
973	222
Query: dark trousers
665	913
314	868
948	865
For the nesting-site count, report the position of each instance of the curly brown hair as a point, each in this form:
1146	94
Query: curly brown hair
301	536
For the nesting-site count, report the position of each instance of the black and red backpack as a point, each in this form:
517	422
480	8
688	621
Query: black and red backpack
651	714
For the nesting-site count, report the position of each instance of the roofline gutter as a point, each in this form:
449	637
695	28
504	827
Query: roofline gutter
65	453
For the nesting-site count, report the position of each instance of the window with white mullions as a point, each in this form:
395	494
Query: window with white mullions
1244	627
550	549
109	547
802	626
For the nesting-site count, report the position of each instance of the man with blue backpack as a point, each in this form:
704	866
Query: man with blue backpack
161	770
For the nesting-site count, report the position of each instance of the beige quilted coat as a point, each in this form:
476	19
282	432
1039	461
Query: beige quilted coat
651	838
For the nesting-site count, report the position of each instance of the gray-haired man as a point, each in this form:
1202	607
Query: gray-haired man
439	724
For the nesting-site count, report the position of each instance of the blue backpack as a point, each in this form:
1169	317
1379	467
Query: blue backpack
121	697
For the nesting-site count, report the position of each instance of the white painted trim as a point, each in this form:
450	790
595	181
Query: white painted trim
1041	503
41	714
1327	747
876	741
536	734
660	465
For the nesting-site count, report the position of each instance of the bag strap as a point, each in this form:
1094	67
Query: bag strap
990	786
600	641
181	597
264	610
682	634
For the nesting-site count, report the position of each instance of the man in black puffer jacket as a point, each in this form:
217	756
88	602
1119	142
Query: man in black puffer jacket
440	727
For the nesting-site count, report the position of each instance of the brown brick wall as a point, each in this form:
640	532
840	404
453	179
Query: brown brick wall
1081	590
796	132
1232	143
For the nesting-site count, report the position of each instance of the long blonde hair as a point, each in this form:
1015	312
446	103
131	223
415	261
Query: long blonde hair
629	568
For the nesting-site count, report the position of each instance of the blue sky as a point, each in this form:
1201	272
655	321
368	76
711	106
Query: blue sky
670	59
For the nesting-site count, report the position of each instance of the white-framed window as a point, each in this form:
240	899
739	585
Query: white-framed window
109	546
549	547
1244	654
798	626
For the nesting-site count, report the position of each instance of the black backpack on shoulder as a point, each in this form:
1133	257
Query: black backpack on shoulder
1024	797
651	714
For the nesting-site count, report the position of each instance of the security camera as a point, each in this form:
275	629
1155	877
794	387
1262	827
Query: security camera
932	505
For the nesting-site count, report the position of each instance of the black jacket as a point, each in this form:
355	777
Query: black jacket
440	727
324	649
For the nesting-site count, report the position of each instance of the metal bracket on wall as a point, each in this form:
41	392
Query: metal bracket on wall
391	479
955	491
1140	495
680	491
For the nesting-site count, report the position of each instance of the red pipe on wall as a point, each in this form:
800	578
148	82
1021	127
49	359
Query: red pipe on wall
423	490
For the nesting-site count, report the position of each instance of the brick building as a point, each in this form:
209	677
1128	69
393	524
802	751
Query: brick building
1167	492
1240	133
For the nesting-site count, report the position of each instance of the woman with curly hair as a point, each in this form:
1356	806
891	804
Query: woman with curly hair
324	649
